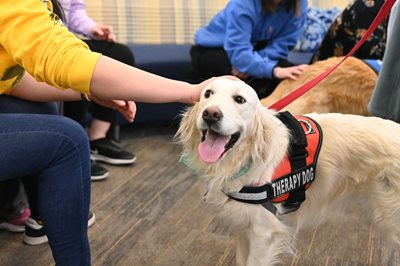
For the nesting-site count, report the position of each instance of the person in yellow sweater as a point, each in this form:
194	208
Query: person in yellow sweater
37	54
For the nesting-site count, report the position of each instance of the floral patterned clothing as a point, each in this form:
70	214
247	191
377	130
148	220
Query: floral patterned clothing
348	29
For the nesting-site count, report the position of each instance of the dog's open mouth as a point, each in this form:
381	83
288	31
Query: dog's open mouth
213	145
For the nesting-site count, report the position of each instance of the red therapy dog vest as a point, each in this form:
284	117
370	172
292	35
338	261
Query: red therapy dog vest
295	173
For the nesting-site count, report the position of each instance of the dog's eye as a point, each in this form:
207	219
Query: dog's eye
239	99
207	94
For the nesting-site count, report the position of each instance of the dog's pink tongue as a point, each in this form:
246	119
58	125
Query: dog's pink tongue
212	148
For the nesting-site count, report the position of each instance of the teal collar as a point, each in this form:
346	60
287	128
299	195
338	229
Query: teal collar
186	160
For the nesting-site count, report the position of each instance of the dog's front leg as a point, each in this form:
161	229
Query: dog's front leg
268	238
242	248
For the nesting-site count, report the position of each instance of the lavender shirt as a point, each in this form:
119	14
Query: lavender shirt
77	20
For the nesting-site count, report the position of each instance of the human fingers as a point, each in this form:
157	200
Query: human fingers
106	28
98	33
128	110
111	37
198	88
132	107
227	77
303	66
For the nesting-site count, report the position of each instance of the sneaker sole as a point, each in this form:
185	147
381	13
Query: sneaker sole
12	228
99	177
101	158
33	241
91	220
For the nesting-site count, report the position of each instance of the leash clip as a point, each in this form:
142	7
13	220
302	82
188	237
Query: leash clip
310	129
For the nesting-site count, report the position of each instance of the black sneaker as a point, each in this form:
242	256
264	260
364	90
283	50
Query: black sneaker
105	150
98	172
34	232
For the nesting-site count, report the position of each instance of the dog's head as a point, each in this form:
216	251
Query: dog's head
227	128
225	117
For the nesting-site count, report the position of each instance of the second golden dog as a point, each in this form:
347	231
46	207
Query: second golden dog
347	89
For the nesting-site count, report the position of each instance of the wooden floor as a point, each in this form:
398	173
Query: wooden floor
151	213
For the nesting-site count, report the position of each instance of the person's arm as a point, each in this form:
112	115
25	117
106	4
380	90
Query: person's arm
288	37
33	38
241	19
138	85
53	55
78	20
31	90
239	46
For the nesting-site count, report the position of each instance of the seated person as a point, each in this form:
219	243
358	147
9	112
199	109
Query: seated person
14	209
251	40
100	38
385	98
42	61
349	27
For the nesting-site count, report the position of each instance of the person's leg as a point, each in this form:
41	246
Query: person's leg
14	209
77	111
13	204
56	150
385	99
107	150
121	53
98	129
103	148
117	51
265	87
210	62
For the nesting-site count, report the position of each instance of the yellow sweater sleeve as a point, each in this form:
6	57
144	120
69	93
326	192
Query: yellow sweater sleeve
31	37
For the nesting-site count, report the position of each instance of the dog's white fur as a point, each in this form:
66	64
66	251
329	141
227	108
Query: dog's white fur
359	160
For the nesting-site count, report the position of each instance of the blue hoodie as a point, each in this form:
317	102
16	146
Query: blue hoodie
242	23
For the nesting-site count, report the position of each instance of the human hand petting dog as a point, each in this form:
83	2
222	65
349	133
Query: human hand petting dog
288	72
198	88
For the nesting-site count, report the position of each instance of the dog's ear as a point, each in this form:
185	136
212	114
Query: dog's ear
261	134
187	132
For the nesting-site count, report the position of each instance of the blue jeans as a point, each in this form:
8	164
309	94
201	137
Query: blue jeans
12	195
54	151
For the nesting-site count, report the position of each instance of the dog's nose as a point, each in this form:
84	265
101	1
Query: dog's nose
212	115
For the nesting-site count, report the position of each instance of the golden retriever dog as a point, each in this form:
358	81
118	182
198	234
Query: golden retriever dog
346	90
230	138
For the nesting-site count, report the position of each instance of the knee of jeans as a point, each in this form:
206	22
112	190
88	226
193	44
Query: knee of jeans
75	133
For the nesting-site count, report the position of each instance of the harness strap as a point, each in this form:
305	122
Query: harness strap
289	183
295	183
297	157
